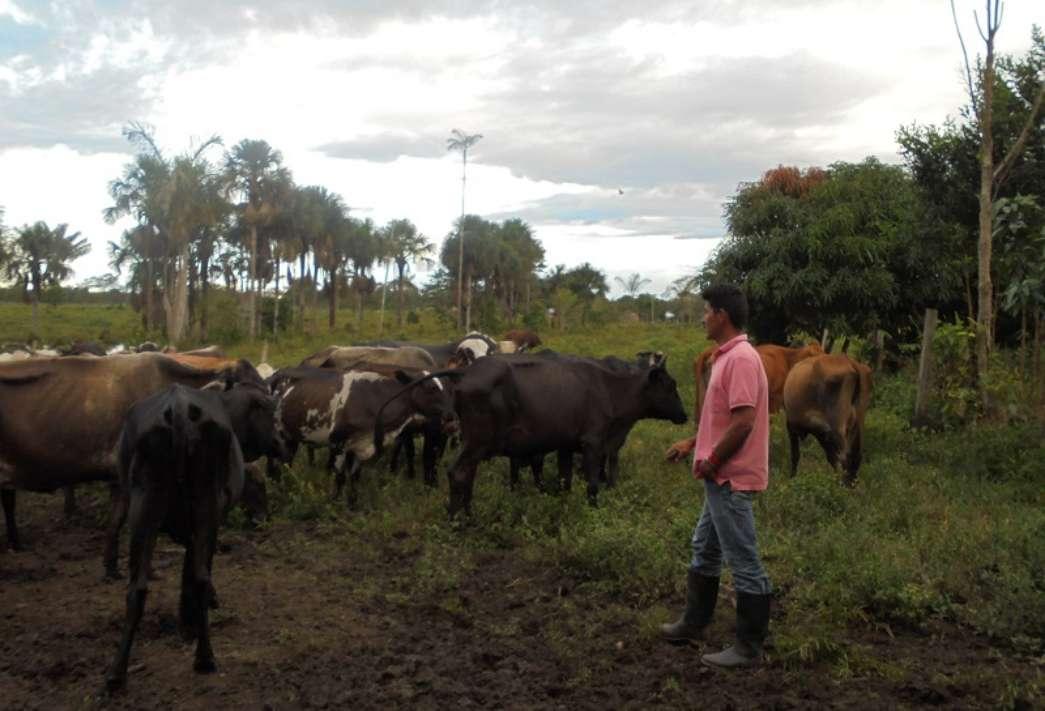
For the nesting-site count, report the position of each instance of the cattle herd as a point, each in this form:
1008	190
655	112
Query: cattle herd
175	434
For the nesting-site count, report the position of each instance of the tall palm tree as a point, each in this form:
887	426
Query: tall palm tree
405	246
173	199
40	257
460	141
254	171
631	287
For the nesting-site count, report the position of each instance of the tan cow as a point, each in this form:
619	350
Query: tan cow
827	396
347	357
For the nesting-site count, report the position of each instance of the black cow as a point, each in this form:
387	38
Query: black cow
618	435
522	405
181	466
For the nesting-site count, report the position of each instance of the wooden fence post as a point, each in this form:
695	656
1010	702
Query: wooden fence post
925	368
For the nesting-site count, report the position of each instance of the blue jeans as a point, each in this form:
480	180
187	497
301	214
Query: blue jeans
727	526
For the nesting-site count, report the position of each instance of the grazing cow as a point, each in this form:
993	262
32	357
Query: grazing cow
505	408
827	396
339	409
181	467
524	339
777	361
60	418
610	467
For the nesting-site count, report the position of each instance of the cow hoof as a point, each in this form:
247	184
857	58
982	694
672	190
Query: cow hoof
115	683
205	665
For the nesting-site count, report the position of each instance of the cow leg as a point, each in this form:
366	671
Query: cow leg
431	452
612	468
795	439
537	468
830	447
70	502
408	452
354	468
118	503
592	462
7	497
338	469
147	511
852	462
203	544
462	479
565	460
514	465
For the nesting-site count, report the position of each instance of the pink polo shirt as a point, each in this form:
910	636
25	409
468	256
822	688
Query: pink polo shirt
738	379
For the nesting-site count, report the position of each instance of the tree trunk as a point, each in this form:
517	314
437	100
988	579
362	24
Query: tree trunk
191	308
275	303
984	325
968	297
468	303
252	297
925	369
332	311
149	279
178	307
399	296
36	314
204	293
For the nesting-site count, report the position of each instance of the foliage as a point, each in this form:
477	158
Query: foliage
835	249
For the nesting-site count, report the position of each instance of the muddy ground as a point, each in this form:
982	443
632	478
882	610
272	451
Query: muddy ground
312	618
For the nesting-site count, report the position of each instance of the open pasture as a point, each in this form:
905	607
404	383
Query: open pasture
923	585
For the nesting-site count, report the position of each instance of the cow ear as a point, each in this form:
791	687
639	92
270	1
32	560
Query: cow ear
402	377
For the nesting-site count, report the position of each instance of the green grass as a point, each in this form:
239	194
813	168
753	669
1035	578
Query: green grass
942	526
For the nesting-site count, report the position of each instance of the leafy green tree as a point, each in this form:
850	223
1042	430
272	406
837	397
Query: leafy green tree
254	172
405	246
841	252
39	257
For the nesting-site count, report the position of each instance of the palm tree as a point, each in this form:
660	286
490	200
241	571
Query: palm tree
254	170
631	287
461	141
174	200
40	257
405	246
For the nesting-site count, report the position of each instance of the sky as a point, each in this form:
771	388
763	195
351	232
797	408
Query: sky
616	129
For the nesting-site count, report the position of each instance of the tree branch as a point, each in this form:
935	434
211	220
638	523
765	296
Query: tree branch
965	56
1017	147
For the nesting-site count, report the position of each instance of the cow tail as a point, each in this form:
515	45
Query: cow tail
379	426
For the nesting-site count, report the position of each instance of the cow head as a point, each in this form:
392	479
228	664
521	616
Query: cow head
660	395
252	412
430	397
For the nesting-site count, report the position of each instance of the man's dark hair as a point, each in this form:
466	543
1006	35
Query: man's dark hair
728	298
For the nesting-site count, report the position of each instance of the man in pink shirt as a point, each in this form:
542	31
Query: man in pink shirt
732	457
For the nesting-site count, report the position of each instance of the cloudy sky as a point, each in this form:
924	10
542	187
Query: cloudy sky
672	103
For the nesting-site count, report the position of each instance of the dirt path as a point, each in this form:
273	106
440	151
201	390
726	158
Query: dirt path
313	619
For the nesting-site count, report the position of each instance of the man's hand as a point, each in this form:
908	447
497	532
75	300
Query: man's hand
681	450
704	469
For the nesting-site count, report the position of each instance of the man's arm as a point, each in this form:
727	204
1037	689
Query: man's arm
741	422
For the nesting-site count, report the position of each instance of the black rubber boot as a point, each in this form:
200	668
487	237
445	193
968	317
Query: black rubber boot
701	596
752	627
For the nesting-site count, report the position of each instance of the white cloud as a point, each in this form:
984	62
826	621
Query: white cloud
58	185
8	8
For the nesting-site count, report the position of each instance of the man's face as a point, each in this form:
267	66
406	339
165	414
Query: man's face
712	321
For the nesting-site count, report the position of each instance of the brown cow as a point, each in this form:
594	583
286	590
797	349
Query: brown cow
777	361
523	339
827	396
60	418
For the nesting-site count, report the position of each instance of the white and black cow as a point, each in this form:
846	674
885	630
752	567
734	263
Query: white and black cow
338	409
